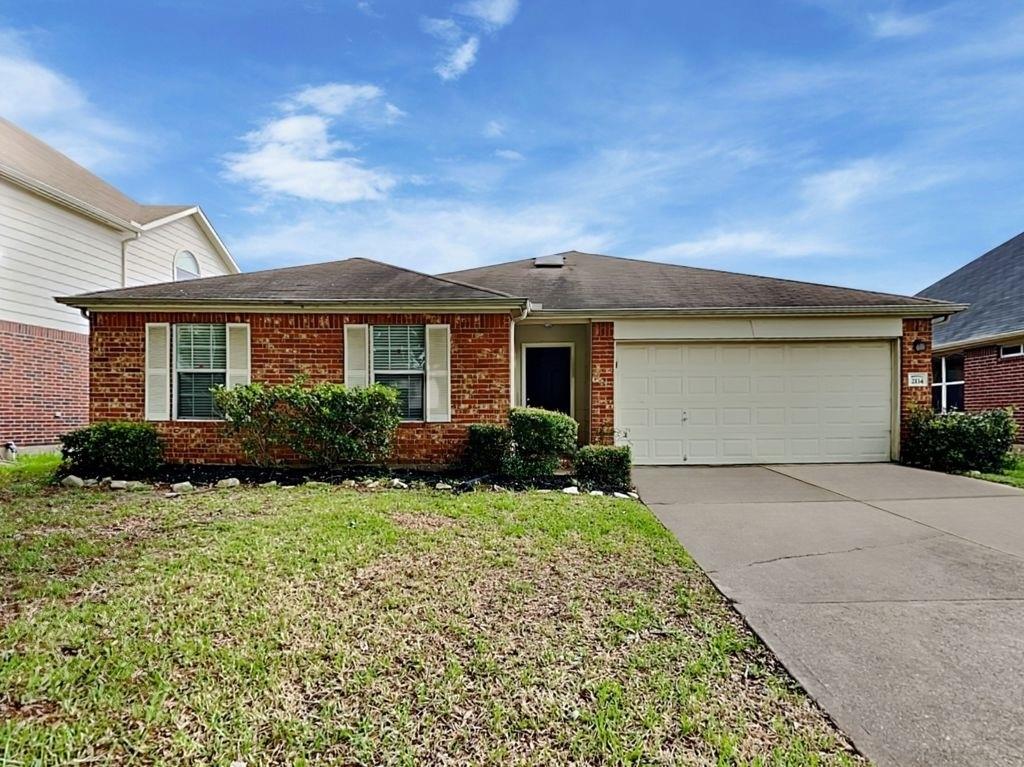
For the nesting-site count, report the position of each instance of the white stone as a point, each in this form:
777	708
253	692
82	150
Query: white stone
136	487
498	488
91	483
182	487
621	495
172	495
397	484
634	496
72	481
349	483
106	480
118	484
372	483
571	490
442	486
596	492
271	483
229	482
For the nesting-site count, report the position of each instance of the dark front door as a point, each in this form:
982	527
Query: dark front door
549	377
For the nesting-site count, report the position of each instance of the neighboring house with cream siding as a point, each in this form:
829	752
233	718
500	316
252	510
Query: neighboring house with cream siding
63	230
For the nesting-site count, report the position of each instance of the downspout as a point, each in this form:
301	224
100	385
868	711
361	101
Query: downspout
124	256
512	349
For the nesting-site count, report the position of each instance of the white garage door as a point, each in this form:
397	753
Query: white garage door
707	403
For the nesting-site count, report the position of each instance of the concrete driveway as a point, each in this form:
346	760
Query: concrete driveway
895	596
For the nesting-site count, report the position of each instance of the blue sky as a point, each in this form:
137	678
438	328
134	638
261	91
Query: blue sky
876	144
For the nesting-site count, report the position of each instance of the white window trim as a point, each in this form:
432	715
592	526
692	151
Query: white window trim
174	266
421	373
572	369
1011	355
175	370
944	384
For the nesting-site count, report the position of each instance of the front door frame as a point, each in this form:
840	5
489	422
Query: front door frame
572	369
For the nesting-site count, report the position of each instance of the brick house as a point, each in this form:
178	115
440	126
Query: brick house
685	365
979	353
64	230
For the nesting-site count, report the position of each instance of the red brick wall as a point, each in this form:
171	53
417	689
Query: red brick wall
915	362
44	383
991	382
602	383
284	345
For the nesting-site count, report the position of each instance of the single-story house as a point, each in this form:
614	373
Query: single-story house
686	365
979	353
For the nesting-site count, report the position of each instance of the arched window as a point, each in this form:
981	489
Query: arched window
186	267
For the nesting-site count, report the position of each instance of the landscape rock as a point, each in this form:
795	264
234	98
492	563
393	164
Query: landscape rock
315	483
571	490
349	483
229	482
442	486
397	484
371	483
118	484
72	481
596	492
634	496
91	482
621	495
182	487
172	495
106	480
499	489
271	483
136	487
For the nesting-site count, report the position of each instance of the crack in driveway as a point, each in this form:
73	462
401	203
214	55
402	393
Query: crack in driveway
838	551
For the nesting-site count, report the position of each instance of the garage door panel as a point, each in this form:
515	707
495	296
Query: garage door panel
752	402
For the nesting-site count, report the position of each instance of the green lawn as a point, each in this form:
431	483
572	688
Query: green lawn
323	625
1013	475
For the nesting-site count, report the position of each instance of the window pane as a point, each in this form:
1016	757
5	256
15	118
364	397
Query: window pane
201	347
955	367
398	347
1010	351
410	393
937	398
194	397
955	397
186	267
936	370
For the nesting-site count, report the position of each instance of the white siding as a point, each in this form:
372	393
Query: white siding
46	251
151	257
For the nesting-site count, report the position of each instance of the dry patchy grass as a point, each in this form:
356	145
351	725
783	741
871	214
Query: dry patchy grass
327	626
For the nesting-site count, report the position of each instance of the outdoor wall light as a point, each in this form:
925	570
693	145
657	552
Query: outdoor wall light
919	345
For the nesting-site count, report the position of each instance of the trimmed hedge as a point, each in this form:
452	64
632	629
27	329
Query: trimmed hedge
323	425
488	448
605	466
540	439
959	441
119	449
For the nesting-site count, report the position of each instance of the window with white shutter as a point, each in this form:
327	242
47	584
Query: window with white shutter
158	371
357	356
439	405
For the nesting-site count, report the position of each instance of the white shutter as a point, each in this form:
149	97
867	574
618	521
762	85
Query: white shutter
439	377
158	371
357	356
238	355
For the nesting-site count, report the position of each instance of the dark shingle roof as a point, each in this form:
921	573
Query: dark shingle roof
26	155
354	279
592	282
992	284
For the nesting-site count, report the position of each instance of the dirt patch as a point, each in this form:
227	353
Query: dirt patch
35	711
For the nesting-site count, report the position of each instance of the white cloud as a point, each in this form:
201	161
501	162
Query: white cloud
890	25
748	242
494	129
839	188
430	236
57	110
494	14
508	154
295	155
458	60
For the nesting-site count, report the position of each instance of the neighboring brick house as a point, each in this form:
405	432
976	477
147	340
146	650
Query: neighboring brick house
979	353
687	366
63	230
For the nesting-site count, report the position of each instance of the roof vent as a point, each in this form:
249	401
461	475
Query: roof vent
556	261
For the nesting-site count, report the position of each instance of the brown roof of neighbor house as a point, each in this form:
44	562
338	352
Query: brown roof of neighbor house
27	156
591	282
351	280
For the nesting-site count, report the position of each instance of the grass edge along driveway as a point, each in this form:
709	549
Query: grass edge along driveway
322	625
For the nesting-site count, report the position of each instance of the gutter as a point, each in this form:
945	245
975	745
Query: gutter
66	200
905	310
967	343
482	305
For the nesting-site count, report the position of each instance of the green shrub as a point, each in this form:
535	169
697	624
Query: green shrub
488	448
120	449
323	425
540	439
959	441
604	466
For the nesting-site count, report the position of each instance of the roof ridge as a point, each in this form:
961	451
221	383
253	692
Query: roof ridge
436	277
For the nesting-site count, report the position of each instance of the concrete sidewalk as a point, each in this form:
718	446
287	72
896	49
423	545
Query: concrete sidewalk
895	596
